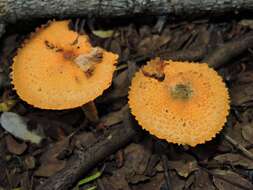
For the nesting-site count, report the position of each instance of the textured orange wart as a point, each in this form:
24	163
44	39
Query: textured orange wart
48	71
188	107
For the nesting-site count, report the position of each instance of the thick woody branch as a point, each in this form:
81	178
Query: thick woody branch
12	10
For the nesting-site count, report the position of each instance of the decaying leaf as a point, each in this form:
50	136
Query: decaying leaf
29	162
153	42
135	164
16	125
114	117
242	89
136	161
235	132
14	147
50	164
155	182
184	166
203	181
120	86
115	182
177	182
50	169
189	182
234	160
247	132
226	179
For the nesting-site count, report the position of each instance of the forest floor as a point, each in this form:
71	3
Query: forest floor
147	163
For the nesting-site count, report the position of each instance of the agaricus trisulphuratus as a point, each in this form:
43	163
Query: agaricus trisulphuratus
59	69
184	103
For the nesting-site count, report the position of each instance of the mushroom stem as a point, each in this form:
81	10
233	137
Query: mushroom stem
90	112
181	91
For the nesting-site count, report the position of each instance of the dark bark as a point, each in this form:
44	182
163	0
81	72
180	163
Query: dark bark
13	10
85	159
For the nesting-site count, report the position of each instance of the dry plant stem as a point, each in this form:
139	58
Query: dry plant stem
85	159
90	111
239	146
228	51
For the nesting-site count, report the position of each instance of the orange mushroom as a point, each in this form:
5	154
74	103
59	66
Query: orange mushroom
58	69
189	106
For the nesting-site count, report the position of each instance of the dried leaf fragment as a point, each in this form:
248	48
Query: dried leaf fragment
14	147
15	124
87	62
155	69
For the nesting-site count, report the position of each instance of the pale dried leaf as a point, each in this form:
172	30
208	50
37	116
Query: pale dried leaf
246	22
16	125
103	33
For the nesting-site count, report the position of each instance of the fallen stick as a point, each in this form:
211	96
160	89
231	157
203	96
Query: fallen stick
227	52
84	160
239	146
13	10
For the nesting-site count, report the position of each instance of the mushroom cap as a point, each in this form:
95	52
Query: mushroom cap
45	75
188	121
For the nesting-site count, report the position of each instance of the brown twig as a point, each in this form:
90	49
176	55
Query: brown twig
225	53
84	159
238	146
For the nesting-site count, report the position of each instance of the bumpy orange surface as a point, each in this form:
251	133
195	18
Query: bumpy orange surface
45	75
189	121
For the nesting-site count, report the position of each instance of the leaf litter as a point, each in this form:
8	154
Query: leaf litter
215	165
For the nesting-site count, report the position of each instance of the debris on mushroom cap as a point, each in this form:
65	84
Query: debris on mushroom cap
188	107
59	69
154	69
87	62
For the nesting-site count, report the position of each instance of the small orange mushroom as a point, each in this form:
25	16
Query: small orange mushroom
58	69
188	107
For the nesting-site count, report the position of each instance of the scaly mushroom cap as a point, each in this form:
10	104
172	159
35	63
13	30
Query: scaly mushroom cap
59	69
188	107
